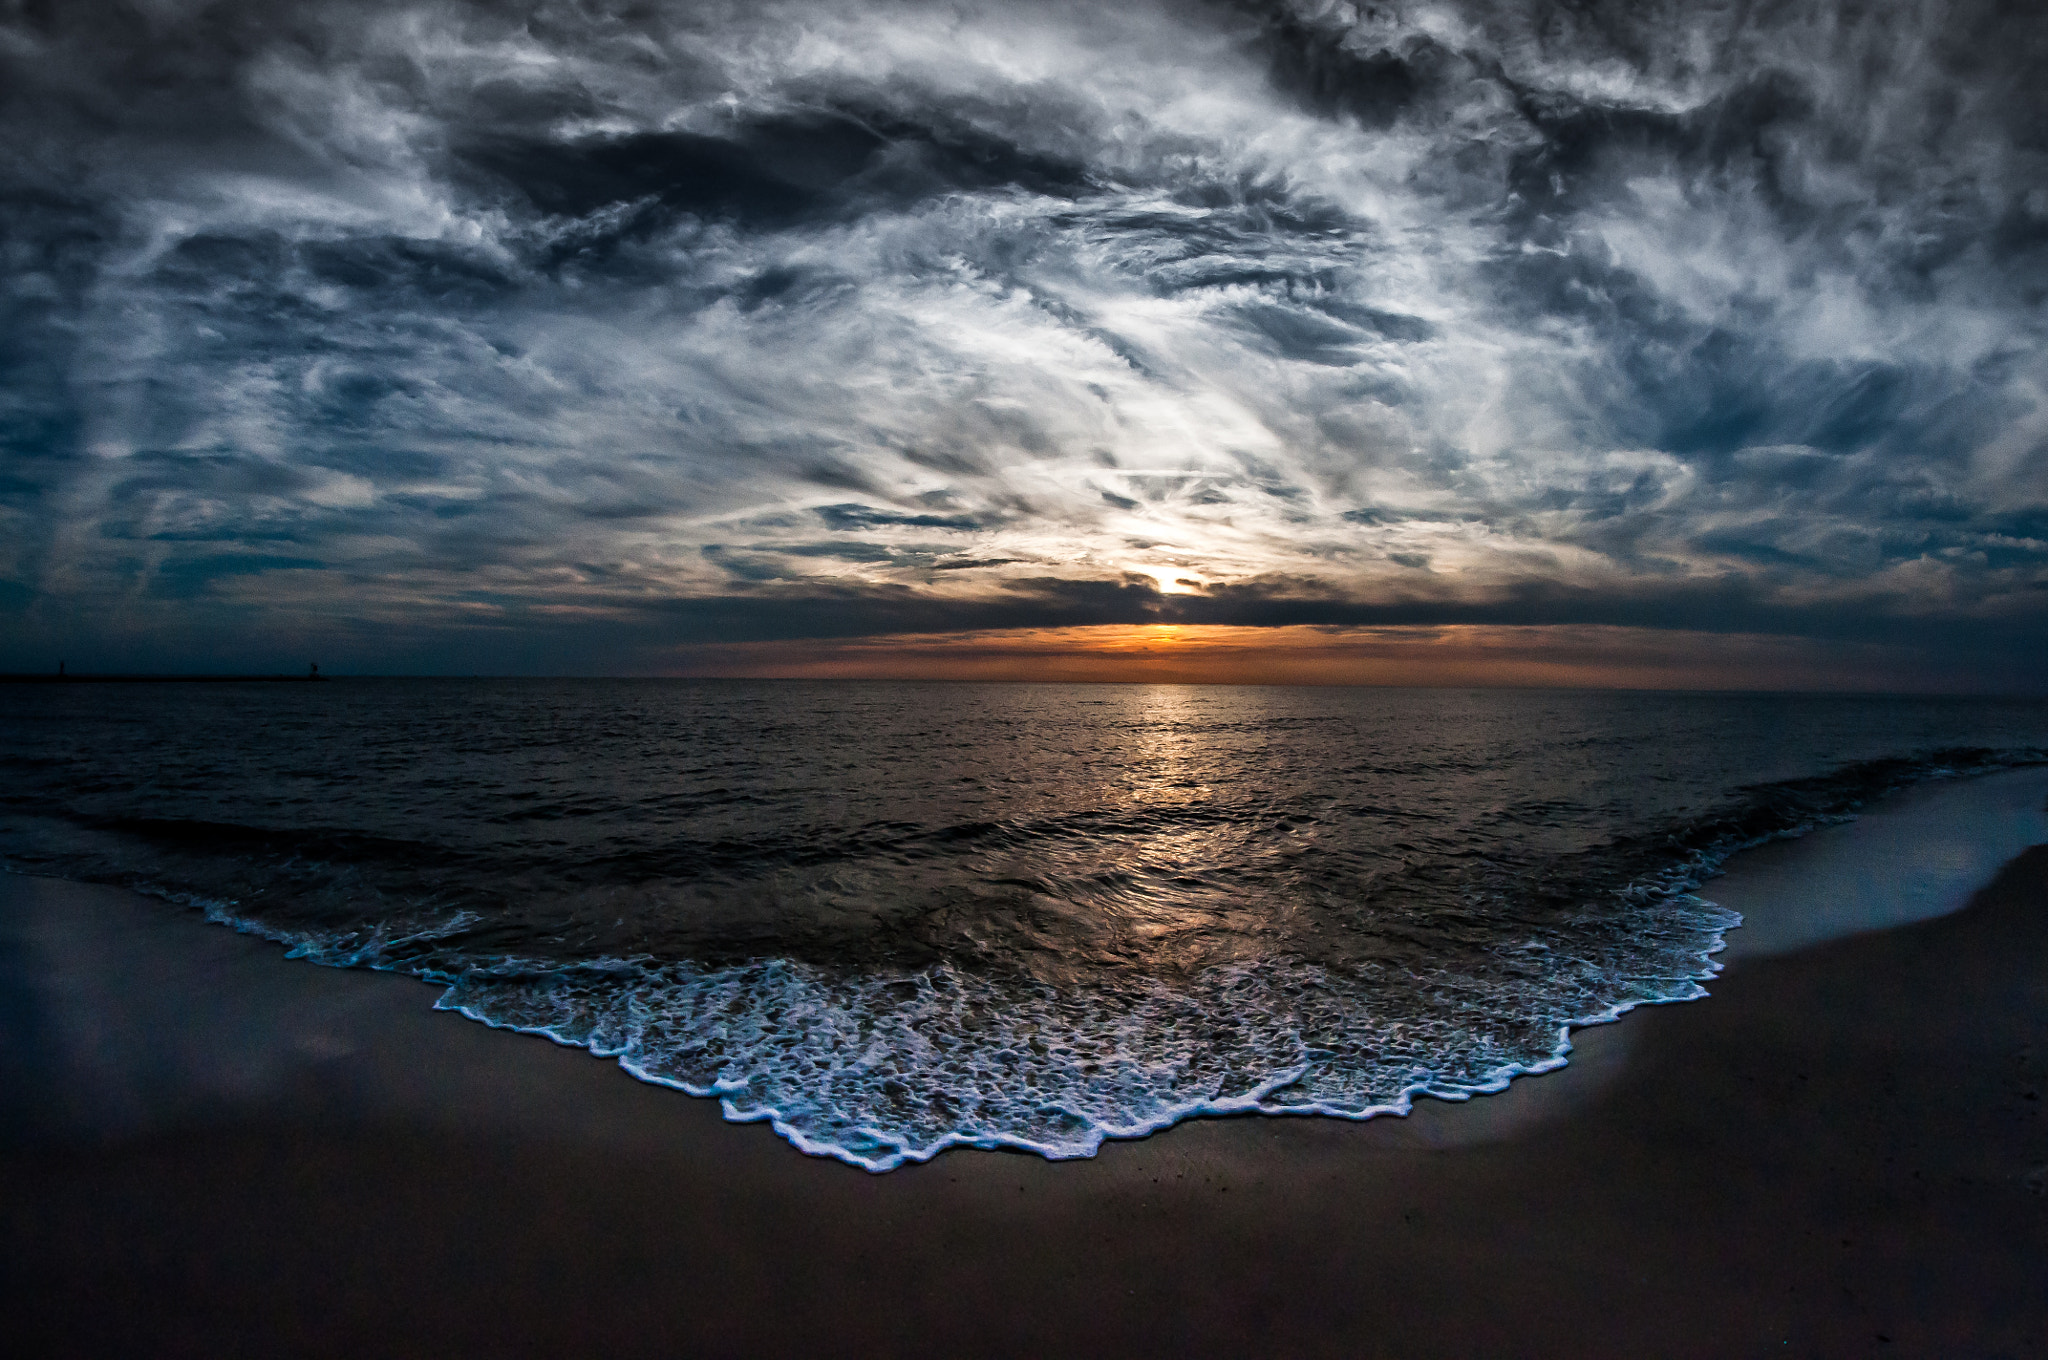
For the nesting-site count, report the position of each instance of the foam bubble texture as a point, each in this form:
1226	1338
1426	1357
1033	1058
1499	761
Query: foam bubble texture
883	1070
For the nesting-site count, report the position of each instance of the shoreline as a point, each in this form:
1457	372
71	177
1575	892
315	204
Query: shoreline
1989	815
1840	1151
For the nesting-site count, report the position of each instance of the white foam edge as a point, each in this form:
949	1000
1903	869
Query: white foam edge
300	946
1689	876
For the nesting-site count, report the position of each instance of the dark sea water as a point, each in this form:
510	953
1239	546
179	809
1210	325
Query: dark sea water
893	918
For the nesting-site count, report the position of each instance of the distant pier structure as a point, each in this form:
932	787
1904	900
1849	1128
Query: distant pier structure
65	676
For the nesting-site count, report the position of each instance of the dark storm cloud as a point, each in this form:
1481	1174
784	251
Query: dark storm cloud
387	321
862	517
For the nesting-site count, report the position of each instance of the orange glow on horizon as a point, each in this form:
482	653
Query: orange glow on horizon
1463	655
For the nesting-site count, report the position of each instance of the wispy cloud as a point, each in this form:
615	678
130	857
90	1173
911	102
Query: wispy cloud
383	323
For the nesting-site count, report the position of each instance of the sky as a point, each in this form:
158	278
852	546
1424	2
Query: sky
1685	344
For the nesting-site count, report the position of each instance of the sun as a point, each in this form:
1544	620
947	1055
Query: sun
1174	580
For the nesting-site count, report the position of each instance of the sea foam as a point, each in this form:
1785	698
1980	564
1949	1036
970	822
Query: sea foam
884	1068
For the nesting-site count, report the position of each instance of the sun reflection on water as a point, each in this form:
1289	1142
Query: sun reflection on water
1183	865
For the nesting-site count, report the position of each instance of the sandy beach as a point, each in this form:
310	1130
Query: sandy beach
209	1150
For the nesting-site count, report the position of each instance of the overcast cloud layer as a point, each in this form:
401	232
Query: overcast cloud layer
552	336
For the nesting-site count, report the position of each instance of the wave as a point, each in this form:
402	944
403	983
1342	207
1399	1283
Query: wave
889	1065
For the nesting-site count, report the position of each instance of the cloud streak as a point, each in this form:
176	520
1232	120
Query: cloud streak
373	325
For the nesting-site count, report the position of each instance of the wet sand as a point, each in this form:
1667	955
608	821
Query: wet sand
207	1150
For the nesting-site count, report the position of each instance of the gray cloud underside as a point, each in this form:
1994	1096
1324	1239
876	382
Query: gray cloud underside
822	319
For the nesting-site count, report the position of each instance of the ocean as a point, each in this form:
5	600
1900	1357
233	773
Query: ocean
895	918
